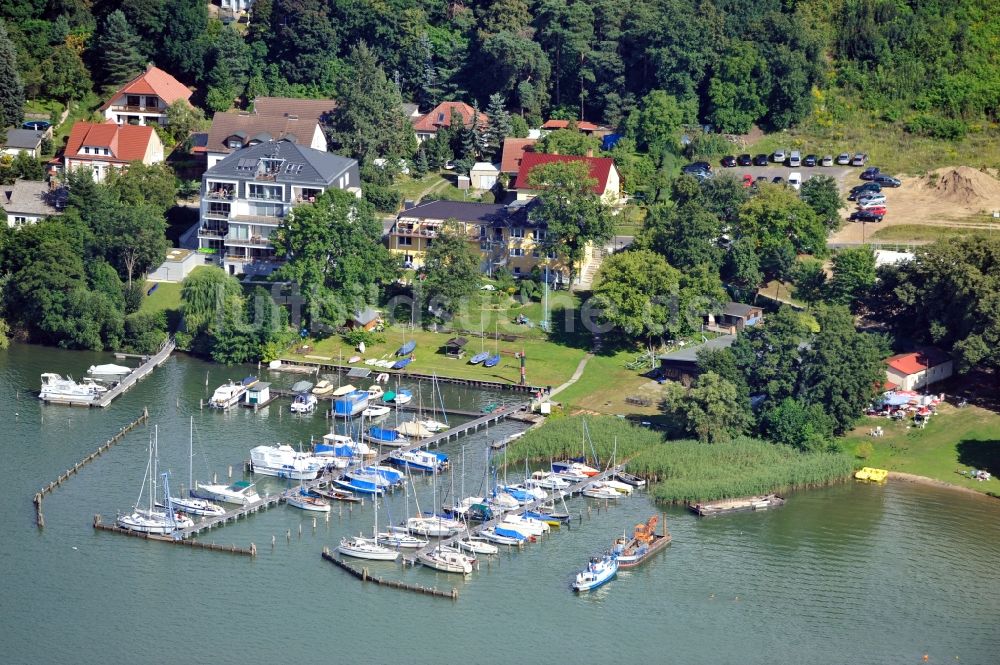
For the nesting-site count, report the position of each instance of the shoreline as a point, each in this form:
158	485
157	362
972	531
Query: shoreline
934	482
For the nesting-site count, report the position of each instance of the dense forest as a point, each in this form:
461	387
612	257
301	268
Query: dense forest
730	63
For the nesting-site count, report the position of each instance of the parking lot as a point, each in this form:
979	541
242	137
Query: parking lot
846	176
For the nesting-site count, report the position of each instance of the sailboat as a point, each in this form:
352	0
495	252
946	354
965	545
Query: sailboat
306	499
431	425
190	504
361	547
398	536
483	353
494	360
150	520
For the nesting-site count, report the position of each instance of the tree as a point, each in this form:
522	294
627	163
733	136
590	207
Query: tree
11	87
810	281
452	268
853	276
823	196
210	299
768	355
723	196
687	235
712	409
117	51
369	121
948	295
573	214
655	123
183	49
568	141
777	214
153	184
739	89
499	126
639	292
842	369
742	268
334	254
794	423
27	167
183	119
135	239
66	77
229	61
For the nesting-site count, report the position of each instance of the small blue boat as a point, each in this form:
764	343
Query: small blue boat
420	460
492	361
407	348
391	476
360	485
500	530
400	364
599	572
479	357
350	404
386	436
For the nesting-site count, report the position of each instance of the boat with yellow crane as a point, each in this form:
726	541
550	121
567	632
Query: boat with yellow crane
644	543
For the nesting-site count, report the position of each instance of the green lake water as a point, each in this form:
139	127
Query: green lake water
848	574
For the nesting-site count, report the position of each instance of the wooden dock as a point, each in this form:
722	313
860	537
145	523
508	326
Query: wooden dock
139	373
210	522
364	576
574	489
230	549
63	477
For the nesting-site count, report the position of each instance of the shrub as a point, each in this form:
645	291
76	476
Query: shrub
864	450
936	127
385	199
358	335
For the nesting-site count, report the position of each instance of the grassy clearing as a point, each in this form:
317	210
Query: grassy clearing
954	440
921	233
547	364
606	384
165	298
686	470
886	144
411	188
79	110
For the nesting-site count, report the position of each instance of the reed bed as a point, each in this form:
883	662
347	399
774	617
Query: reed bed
686	470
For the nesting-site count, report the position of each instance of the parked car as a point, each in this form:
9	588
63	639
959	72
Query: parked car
859	159
760	160
871	200
827	160
747	179
795	179
844	159
869	173
777	180
864	190
37	125
778	157
694	167
865	216
795	159
810	160
884	180
878	210
729	161
744	160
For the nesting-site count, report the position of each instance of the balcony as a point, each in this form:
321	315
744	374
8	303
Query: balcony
204	232
258	219
125	108
221	195
253	241
415	233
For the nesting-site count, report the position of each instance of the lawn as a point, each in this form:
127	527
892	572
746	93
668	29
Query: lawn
954	440
605	385
81	110
166	297
411	188
547	364
921	233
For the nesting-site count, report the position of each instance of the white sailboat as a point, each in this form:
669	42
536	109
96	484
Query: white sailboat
361	547
446	559
190	504
149	519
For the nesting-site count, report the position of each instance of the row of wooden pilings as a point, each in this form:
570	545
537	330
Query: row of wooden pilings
194	544
63	477
364	576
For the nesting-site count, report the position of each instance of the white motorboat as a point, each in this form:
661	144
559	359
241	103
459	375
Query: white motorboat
600	490
55	387
446	560
304	403
360	547
399	538
433	527
599	571
433	426
324	387
375	391
478	545
420	460
619	486
343	390
94	386
109	370
547	480
515	537
376	411
524	524
240	492
228	395
284	462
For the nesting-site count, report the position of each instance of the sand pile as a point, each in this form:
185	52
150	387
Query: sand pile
963	185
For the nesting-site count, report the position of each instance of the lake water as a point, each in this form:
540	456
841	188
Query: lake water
847	574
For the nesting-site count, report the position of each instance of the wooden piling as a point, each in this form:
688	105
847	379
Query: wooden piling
365	576
194	544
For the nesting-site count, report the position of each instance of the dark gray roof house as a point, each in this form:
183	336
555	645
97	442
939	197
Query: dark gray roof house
29	140
682	365
288	162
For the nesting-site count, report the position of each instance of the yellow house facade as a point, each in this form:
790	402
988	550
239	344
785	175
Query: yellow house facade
503	236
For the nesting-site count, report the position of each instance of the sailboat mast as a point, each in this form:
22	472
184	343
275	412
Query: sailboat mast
191	456
156	466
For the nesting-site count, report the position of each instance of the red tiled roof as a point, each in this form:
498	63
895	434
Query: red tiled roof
153	81
441	117
582	125
917	361
600	168
127	143
513	152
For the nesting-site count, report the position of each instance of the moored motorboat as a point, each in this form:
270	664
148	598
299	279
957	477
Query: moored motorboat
547	480
376	411
228	395
304	403
55	387
240	492
633	480
386	437
446	560
477	545
413	430
284	462
400	397
350	404
432	527
502	536
574	468
599	490
375	391
399	538
109	370
343	390
307	500
324	387
433	426
599	571
419	460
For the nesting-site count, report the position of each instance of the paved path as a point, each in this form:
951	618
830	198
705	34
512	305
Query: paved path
573	379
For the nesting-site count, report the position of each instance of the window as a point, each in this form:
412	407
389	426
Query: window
404	241
215	208
267	209
86	150
132	100
235	144
246	165
535	253
20	221
539	234
265	192
551	254
517	270
517	232
516	251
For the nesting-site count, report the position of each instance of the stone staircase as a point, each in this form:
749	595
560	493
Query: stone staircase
590	272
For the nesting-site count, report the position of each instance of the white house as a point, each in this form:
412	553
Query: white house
30	201
909	371
23	140
144	99
602	170
484	175
100	147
